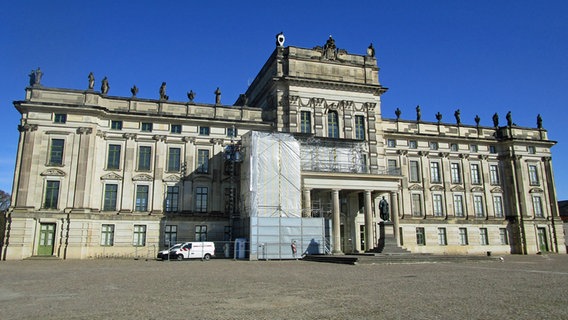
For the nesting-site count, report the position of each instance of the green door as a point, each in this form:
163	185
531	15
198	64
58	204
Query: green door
542	241
46	236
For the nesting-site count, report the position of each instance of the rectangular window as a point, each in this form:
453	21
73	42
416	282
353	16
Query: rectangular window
107	235
435	172
201	194
412	144
113	160
172	198
141	198
392	167
498	206
463	237
170	234
475	177
305	122
174	159
455	171
116	125
202	161
51	195
200	233
111	191
414	171
416	205
503	236
433	145
204	131
391	143
533	175
332	124
531	149
60	118
537	206
139	236
232	132
146	127
144	158
437	203
56	152
492	149
494	174
359	127
483	237
420	237
478	206
175	128
454	147
473	148
458	205
442	239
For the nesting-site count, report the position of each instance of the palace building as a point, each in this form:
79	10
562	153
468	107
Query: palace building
304	157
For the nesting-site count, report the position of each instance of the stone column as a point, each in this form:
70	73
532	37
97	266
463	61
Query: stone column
336	223
27	144
394	215
369	241
307	212
84	150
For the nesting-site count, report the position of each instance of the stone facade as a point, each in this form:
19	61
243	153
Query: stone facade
100	175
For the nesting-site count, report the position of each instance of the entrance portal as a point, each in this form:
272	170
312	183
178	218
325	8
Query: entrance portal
46	237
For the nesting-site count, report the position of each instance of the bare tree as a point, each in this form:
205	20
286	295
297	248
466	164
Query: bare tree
4	200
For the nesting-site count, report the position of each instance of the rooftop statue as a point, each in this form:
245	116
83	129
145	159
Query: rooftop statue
105	86
163	95
329	49
35	77
477	119
217	96
191	95
91	81
495	120
509	118
457	114
439	117
539	121
134	90
371	51
418	114
397	112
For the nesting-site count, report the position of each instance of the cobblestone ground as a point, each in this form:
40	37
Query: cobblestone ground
521	287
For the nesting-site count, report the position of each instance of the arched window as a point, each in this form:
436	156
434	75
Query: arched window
332	124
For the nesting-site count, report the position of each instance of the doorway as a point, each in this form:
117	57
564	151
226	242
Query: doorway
46	239
542	240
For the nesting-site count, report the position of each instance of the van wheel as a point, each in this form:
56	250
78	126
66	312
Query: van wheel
206	257
180	257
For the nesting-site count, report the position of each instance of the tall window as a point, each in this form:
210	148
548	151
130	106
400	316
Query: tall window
146	127
442	238
174	155
455	171
391	143
201	194
454	147
492	149
201	233
204	131
305	122
473	148
56	152
494	174
202	161
537	206
503	236
498	206
531	149
113	160
141	198
172	198
433	145
144	158
60	118
478	206
175	128
170	235
232	132
139	236
416	205
533	175
437	202
392	167
111	191
116	125
412	144
51	195
107	235
483	237
435	172
332	124
414	171
359	127
463	237
475	177
420	237
458	205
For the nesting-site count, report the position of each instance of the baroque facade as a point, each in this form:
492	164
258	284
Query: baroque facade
100	175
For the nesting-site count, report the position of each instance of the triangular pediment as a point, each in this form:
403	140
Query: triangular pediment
142	177
477	189
53	173
457	188
111	176
171	178
415	187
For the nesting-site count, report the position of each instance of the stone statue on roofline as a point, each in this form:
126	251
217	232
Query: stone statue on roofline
191	96
105	86
217	96
539	121
509	118
418	114
91	78
496	120
457	114
134	91
35	77
163	95
439	117
397	112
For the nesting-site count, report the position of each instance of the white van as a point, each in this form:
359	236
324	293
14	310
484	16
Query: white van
194	250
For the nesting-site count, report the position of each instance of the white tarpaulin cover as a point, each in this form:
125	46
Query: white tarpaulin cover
271	183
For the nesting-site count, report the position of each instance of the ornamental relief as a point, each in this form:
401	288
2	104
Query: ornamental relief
477	189
171	178
111	176
536	190
436	188
415	187
142	177
53	173
497	190
457	189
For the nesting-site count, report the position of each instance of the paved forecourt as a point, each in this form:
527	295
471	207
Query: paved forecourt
520	287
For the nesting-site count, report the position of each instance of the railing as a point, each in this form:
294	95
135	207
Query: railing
323	166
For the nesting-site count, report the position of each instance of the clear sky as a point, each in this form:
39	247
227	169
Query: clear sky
479	56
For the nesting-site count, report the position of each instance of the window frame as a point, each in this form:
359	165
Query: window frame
144	158
435	174
176	128
141	198
305	121
204	130
458	203
478	206
107	235
139	235
333	124
359	127
437	205
114	157
201	199
420	236
174	160
171	202
109	202
483	237
442	236
116	125
146	126
533	175
51	197
475	174
498	206
463	237
202	165
494	178
538	208
201	232
416	204
56	155
414	171
455	172
60	118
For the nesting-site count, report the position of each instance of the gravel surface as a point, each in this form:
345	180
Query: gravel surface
521	287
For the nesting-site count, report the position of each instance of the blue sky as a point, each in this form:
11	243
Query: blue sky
479	56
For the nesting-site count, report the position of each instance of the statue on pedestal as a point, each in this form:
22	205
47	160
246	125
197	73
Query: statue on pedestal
384	209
